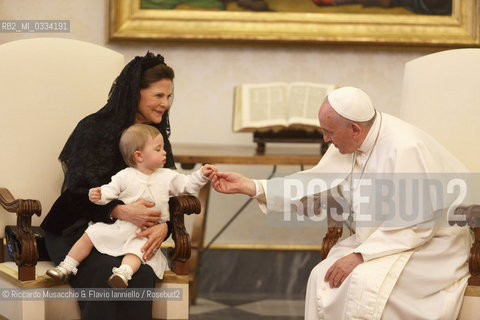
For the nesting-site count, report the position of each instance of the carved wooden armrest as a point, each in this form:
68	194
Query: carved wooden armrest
179	255
332	236
26	257
335	224
334	232
472	214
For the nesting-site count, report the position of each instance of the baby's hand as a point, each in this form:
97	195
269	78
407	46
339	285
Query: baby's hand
95	194
209	171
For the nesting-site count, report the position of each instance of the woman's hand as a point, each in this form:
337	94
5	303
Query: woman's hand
232	182
139	213
155	236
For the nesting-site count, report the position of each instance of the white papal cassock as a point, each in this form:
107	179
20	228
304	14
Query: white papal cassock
415	269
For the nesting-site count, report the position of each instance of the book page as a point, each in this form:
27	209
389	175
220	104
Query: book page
261	105
305	99
237	109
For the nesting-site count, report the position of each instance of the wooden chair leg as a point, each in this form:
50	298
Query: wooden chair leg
474	259
181	268
472	215
2	248
182	252
26	272
198	237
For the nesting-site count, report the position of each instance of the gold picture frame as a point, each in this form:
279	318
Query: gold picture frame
127	22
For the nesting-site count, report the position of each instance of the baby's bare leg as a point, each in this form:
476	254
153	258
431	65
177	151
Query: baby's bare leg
81	249
133	261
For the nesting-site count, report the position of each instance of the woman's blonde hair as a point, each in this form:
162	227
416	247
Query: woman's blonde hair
134	139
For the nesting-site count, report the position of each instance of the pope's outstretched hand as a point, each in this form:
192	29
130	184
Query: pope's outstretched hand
232	182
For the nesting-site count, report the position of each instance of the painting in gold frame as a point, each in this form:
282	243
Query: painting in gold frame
127	21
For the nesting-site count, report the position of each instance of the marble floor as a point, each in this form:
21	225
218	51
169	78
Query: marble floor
231	287
246	307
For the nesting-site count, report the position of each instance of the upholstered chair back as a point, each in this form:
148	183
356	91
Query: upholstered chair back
441	95
46	86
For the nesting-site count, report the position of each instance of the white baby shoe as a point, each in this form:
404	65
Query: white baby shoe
61	272
119	278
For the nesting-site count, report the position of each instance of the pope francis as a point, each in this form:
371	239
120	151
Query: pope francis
398	266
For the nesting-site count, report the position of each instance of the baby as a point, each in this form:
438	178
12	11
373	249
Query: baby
142	149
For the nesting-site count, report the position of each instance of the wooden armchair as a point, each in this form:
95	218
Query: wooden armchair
471	216
446	84
26	255
47	85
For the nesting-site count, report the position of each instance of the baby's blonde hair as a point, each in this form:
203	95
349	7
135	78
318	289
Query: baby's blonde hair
134	139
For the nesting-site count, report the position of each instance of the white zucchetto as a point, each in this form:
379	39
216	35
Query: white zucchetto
352	104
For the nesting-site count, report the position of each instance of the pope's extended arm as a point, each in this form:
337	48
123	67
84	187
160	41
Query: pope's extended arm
232	182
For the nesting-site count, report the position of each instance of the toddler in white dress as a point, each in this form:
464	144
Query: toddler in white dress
145	178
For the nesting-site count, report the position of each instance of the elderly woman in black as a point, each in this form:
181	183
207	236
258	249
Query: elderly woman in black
142	93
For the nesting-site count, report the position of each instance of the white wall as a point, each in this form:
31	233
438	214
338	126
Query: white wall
205	77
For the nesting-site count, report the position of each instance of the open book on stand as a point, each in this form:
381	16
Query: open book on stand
278	105
280	112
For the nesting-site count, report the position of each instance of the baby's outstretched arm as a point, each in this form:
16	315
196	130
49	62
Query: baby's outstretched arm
209	171
95	194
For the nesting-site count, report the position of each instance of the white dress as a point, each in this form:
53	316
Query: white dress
129	185
413	270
